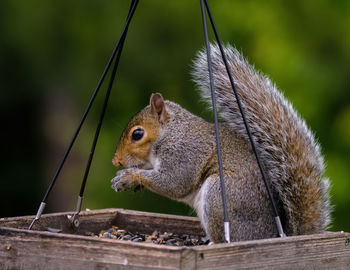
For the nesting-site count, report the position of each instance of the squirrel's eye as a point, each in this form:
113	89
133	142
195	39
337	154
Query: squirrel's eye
137	134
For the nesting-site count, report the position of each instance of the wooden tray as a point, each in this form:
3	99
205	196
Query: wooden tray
77	249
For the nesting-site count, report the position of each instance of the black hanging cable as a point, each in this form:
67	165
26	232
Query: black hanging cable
277	218
74	218
218	144
107	67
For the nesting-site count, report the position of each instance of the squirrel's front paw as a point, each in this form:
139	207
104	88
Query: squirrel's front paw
124	180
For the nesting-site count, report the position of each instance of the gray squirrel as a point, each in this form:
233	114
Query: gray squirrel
172	152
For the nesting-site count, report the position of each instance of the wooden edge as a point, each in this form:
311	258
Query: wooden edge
22	234
93	221
275	241
111	211
24	249
149	222
330	250
27	219
155	215
88	219
9	231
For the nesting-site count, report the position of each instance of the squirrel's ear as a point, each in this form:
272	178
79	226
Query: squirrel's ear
158	107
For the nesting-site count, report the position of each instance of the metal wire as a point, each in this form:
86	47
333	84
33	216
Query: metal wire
218	144
76	133
98	129
74	219
277	218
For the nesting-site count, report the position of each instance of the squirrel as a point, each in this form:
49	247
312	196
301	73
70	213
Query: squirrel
172	152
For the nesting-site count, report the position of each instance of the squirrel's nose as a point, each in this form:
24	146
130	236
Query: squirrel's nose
117	162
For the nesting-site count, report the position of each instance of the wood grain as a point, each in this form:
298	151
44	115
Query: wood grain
43	250
320	251
149	222
73	249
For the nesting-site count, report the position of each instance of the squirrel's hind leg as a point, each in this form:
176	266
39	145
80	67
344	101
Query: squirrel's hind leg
249	211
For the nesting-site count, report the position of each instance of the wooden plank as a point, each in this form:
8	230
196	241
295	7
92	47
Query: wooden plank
149	222
91	221
320	251
96	220
21	249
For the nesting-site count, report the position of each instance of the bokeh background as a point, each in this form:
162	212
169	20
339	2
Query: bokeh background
52	54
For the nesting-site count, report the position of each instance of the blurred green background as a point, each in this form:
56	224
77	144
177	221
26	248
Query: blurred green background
52	54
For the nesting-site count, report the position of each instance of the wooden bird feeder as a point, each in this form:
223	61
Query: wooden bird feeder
72	248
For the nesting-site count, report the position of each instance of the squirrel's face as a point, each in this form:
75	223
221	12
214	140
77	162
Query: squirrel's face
142	131
135	144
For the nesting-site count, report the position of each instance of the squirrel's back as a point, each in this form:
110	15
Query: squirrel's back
290	154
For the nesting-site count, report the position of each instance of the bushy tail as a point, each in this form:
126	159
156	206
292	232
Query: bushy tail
288	150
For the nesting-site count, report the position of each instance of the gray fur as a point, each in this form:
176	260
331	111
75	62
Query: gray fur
274	125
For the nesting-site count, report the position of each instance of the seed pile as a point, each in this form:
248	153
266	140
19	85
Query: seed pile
169	239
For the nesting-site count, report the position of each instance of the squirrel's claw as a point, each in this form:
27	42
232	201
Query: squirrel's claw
124	180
